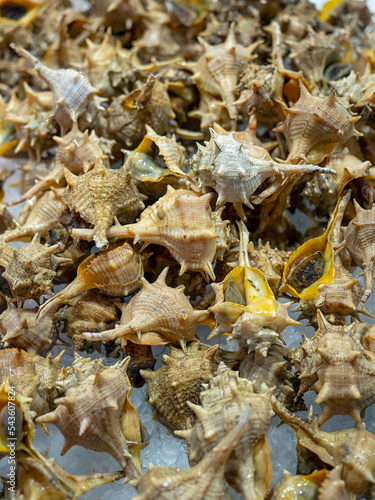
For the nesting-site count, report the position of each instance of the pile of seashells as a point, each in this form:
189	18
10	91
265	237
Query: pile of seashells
163	146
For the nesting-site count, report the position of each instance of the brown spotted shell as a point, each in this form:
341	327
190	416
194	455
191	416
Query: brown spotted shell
178	381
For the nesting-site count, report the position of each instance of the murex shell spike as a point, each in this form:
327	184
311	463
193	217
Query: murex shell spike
237	170
71	89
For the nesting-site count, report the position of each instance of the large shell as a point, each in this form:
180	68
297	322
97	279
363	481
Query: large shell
249	467
236	170
178	381
115	272
158	314
97	414
314	126
204	481
336	365
352	448
183	223
101	195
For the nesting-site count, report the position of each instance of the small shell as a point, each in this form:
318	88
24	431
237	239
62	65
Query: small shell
102	194
178	381
41	218
217	70
97	415
314	126
29	270
92	312
115	272
202	482
141	359
275	371
157	315
249	468
20	329
299	487
71	89
360	242
246	309
32	376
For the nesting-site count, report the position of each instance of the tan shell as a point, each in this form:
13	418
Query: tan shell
260	93
29	270
45	480
158	314
217	70
101	195
42	217
202	482
115	272
20	329
90	312
249	468
32	376
352	448
97	415
183	223
236	170
335	364
310	54
275	371
178	381
360	242
299	487
125	118
314	126
71	89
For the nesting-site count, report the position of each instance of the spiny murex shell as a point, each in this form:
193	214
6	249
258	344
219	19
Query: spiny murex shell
179	380
158	314
249	467
182	222
102	194
236	170
353	448
115	272
98	415
204	481
337	366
